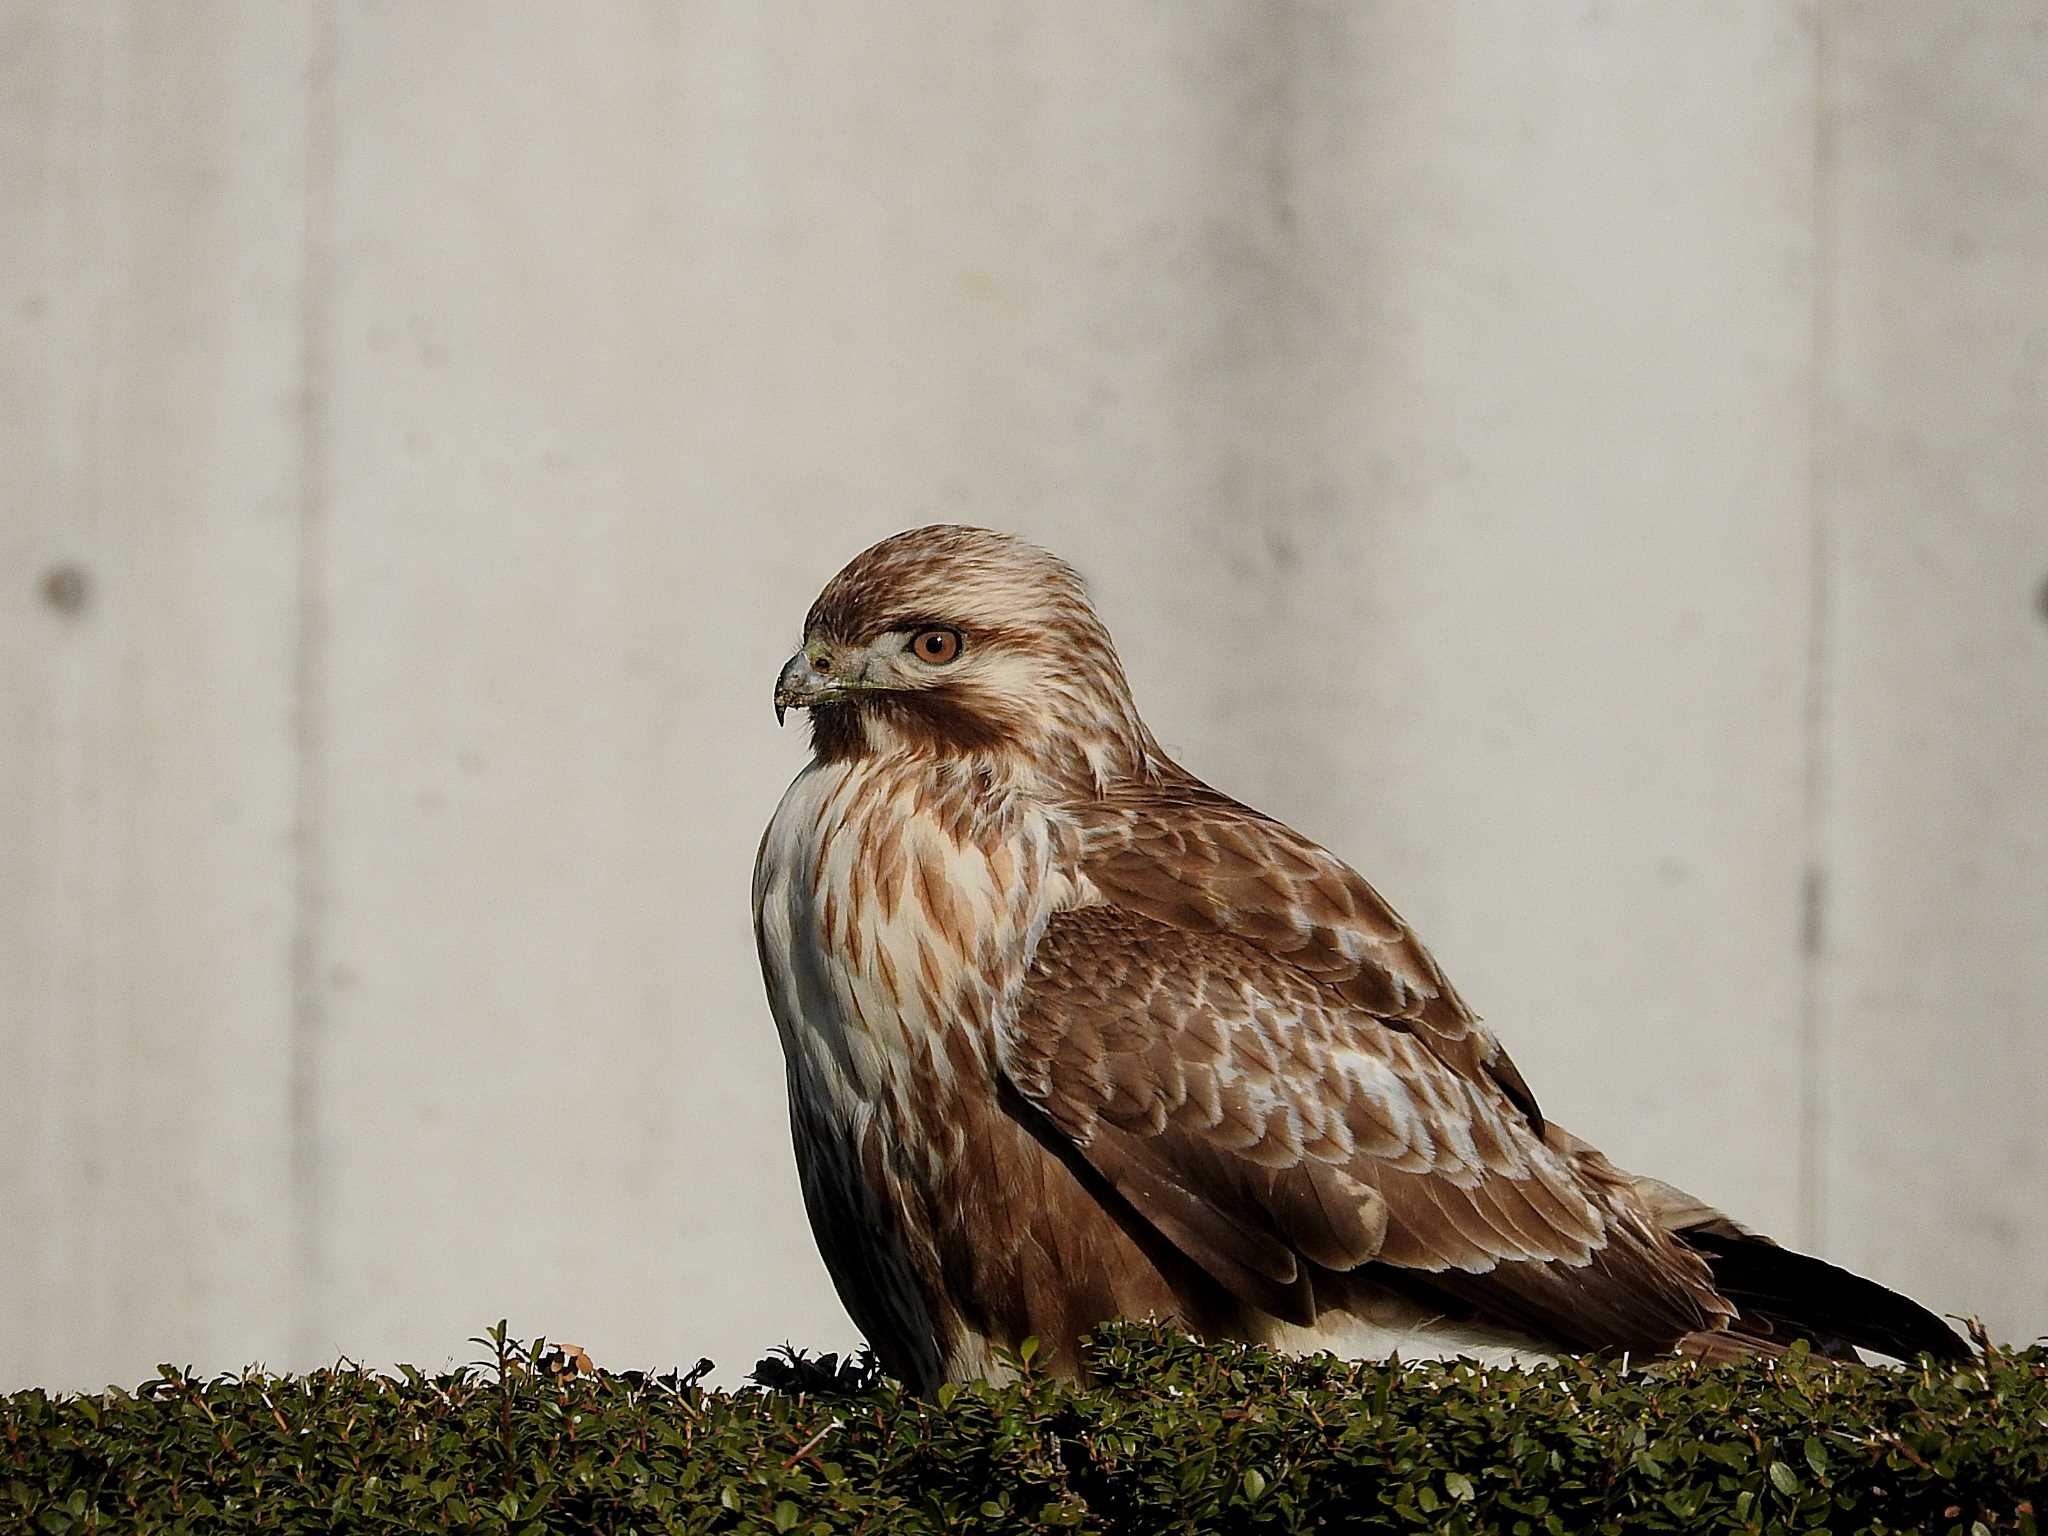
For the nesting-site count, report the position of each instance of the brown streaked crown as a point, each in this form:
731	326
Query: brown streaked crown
945	572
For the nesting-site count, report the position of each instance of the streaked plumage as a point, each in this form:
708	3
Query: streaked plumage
1072	1036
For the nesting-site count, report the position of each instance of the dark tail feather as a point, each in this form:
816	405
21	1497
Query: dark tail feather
1805	1297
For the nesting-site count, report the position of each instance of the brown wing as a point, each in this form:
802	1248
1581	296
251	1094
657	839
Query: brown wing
1273	1130
1193	859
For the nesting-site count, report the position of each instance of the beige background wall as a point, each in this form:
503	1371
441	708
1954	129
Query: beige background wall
1585	462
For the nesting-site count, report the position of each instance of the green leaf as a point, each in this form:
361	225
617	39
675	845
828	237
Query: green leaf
1458	1486
786	1515
1784	1479
1254	1484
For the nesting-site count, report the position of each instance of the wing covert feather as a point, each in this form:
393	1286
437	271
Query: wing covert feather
1271	1129
1193	859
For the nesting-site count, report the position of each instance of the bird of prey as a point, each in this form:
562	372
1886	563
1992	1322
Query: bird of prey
1072	1036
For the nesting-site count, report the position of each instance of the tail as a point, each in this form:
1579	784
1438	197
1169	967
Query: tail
1783	1295
1793	1295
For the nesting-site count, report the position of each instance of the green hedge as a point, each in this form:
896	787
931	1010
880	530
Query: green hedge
1171	1436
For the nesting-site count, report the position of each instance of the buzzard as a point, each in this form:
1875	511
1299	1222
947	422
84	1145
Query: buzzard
1072	1036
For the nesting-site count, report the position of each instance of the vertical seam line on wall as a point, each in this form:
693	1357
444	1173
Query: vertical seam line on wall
308	691
1813	946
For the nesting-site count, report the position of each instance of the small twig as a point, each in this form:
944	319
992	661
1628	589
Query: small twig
811	1444
283	1427
1902	1448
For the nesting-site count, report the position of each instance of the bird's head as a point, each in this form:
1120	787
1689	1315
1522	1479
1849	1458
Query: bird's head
961	641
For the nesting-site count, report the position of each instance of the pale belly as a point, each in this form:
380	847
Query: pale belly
1395	1329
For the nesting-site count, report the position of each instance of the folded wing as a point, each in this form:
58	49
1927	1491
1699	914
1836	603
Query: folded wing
1279	1134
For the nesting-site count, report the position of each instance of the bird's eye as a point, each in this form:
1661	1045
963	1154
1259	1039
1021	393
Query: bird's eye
937	646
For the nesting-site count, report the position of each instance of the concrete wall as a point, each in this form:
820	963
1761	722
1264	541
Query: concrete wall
1584	462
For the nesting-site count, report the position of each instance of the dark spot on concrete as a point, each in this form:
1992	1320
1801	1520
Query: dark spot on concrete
1813	911
2041	598
67	587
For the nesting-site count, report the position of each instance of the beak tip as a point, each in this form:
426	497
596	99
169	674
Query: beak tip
781	710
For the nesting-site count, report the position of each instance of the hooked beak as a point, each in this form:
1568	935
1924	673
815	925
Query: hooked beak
805	680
